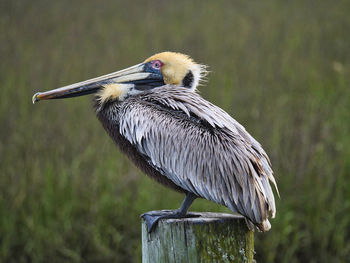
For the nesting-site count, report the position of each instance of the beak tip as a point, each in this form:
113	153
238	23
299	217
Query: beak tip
35	97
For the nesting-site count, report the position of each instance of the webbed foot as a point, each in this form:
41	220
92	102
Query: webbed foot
151	218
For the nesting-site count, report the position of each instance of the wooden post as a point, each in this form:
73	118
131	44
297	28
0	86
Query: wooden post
211	237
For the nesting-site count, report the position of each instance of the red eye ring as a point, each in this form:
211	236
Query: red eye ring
156	64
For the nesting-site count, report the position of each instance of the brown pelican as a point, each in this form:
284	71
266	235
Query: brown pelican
155	116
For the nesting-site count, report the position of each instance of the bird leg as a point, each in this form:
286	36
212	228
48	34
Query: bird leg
153	217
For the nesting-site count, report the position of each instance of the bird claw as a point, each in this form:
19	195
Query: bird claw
151	221
151	218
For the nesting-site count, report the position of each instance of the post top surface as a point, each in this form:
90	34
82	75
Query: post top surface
204	217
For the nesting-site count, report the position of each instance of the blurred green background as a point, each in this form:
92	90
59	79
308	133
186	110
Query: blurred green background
281	68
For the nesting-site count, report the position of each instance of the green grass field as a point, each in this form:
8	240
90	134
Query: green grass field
281	68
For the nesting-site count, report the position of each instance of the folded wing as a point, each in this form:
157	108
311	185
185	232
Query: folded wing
201	149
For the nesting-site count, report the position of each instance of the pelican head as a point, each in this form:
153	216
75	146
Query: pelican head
166	68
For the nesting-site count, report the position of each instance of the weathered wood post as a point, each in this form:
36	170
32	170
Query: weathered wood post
211	237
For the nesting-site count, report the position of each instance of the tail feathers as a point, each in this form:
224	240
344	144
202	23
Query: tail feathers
263	227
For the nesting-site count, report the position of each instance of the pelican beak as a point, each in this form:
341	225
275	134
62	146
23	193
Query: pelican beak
139	75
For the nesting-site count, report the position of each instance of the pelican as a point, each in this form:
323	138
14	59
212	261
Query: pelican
155	116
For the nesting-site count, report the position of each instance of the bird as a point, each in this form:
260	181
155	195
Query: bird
156	116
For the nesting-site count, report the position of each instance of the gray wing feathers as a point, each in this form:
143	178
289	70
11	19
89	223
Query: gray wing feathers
225	165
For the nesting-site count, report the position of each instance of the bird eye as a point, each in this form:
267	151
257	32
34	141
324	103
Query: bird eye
156	64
